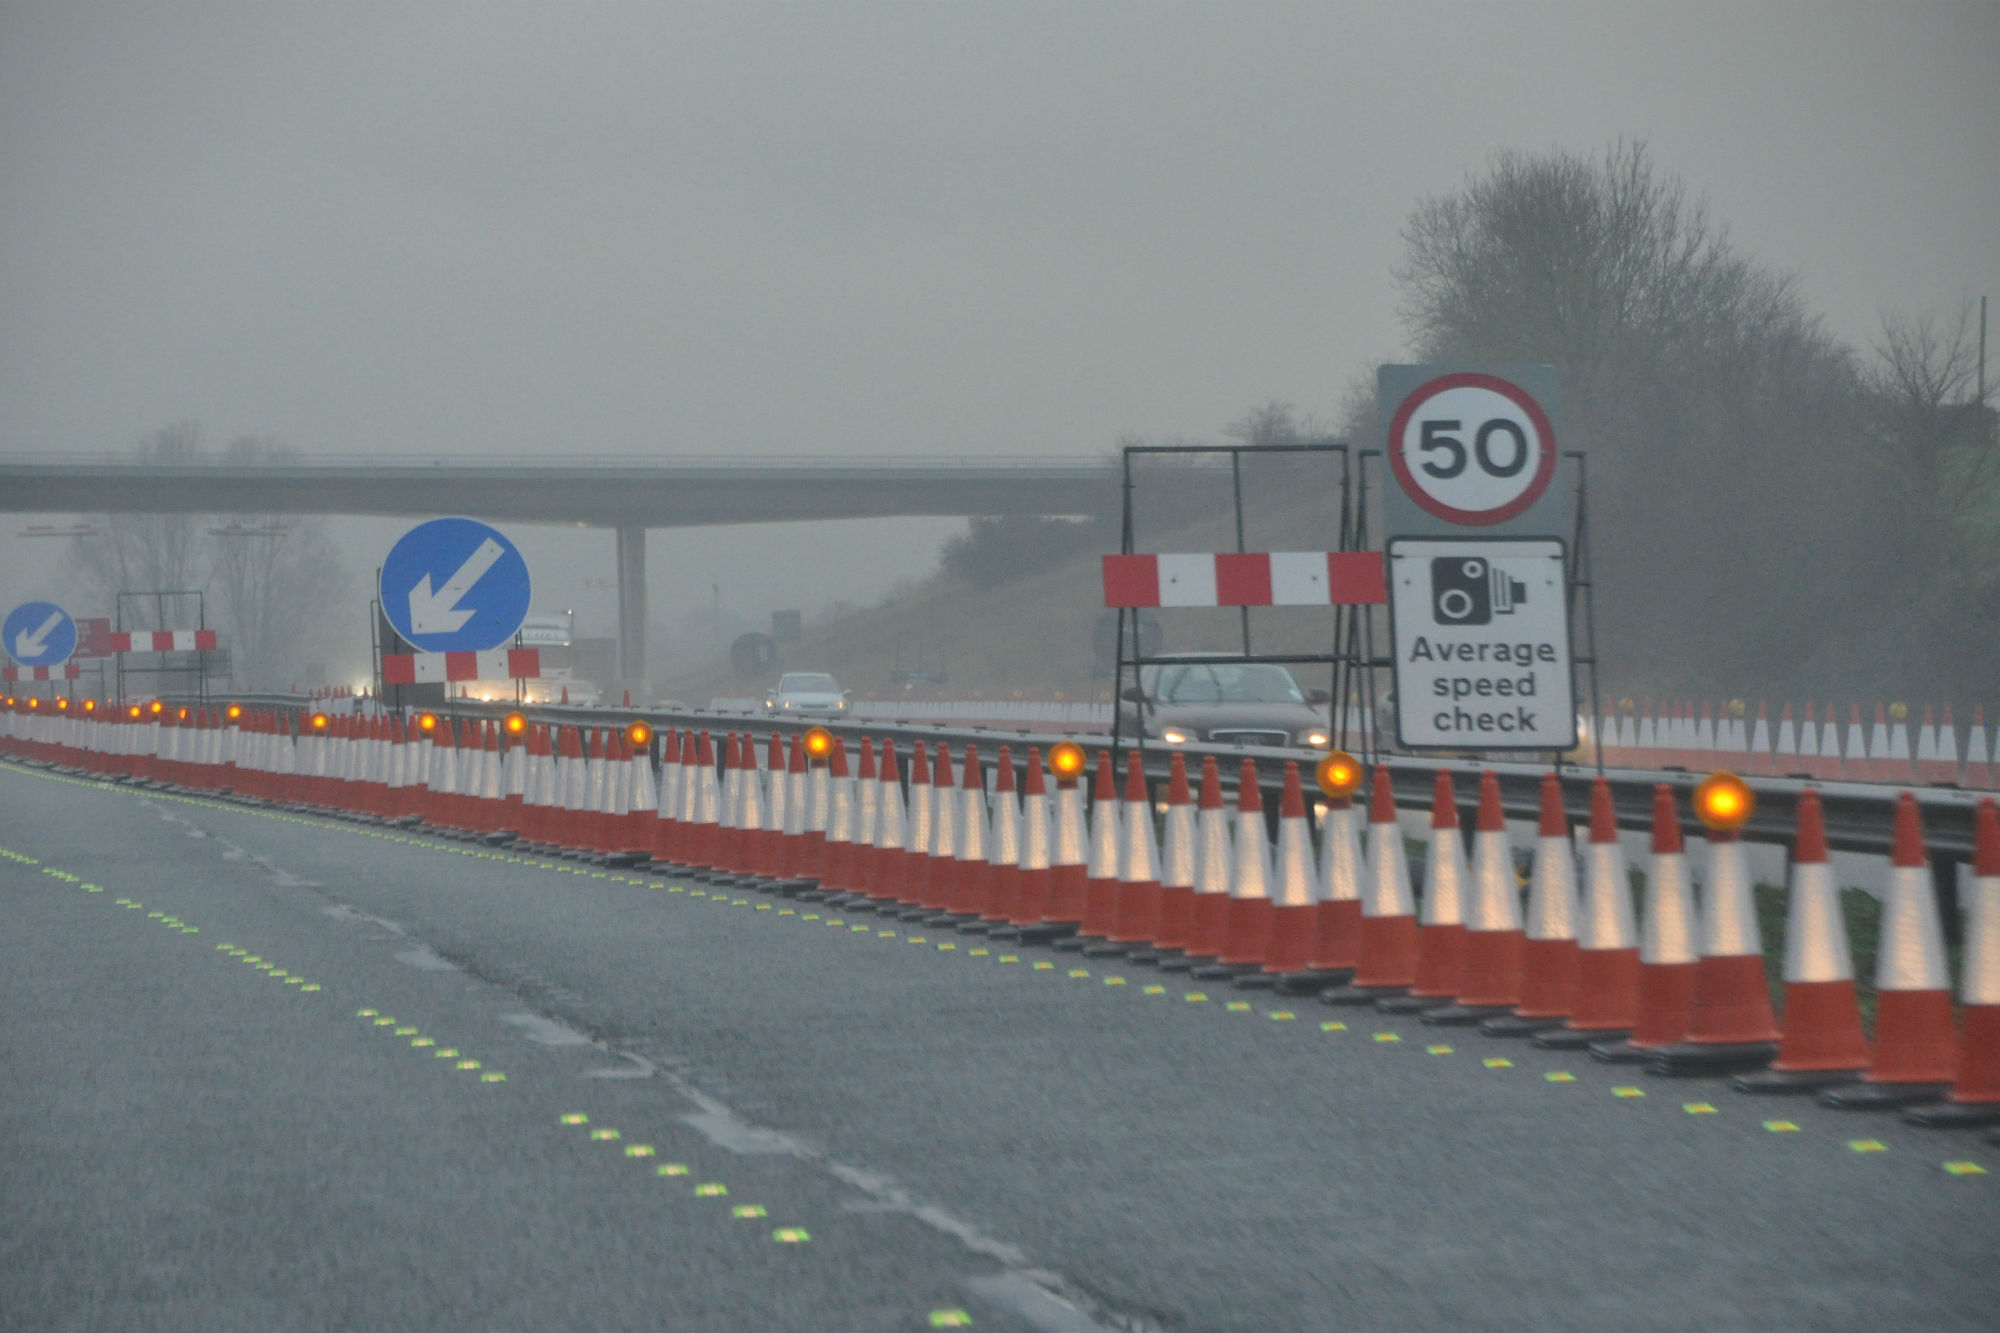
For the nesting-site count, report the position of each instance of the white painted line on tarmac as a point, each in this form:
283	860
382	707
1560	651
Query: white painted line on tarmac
1042	1309
545	1031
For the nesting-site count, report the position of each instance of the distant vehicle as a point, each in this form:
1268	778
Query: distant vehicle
806	693
1225	701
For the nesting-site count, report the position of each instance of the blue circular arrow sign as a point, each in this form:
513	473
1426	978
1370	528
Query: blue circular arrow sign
455	585
39	634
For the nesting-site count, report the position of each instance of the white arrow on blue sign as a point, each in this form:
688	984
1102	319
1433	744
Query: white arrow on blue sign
455	585
39	634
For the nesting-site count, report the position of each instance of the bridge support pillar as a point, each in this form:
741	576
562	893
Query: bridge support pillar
632	611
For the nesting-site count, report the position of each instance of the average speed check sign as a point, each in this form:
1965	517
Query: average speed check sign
1480	628
1470	448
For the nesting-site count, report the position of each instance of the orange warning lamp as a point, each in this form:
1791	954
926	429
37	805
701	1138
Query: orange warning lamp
235	712
184	714
134	712
427	722
90	705
638	735
10	701
515	724
319	721
1899	711
34	703
819	742
1339	775
1066	760
63	704
1724	802
158	708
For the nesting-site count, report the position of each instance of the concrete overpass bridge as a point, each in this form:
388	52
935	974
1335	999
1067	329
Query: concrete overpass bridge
626	494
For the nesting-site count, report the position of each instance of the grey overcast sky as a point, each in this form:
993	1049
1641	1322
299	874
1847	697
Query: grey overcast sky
965	228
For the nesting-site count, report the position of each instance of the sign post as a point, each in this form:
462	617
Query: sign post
1477	557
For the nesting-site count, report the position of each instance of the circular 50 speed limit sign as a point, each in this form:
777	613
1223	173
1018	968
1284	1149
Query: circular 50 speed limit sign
1472	449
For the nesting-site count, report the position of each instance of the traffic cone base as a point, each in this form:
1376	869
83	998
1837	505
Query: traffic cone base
1440	956
1914	1037
1176	919
1491	976
1337	946
1975	1094
1389	962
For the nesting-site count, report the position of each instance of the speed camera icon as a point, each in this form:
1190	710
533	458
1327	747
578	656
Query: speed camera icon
1468	590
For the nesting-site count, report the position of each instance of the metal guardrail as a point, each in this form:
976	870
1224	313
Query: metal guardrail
1859	817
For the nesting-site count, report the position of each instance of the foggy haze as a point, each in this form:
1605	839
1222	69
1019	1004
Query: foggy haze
963	230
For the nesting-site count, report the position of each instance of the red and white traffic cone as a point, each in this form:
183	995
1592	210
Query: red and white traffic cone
1855	767
1337	941
1489	979
1607	941
858	861
1100	883
1294	886
837	858
885	882
911	876
975	835
1915	1038
1977	772
1173	923
1731	1027
1823	1045
1215	858
1137	917
1246	930
941	883
1975	1084
1668	960
1549	955
1030	892
995	903
1441	932
1388	955
1062	910
1759	760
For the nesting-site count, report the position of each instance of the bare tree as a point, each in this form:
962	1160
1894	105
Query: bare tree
268	578
1705	392
145	552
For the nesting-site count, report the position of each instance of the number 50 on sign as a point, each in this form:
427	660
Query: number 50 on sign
1470	448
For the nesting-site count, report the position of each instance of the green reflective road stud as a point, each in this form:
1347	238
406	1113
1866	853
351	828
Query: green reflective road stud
748	1210
567	1117
366	1013
1628	1092
446	1053
712	1190
950	1319
885	934
1781	1127
858	930
605	1134
788	911
639	1150
1698	1108
154	916
979	953
385	1022
468	1064
1009	958
1192	997
1282	1015
1045	967
1391	1037
1964	1168
1079	972
492	1076
810	916
918	939
406	1032
763	907
1333	1025
1239	1006
1437	1050
946	948
1559	1076
310	985
1497	1062
1867	1145
295	981
423	1041
671	1169
1114	981
790	1236
1156	990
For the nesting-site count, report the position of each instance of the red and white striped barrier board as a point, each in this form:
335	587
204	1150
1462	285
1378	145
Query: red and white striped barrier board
69	671
430	668
162	641
1271	578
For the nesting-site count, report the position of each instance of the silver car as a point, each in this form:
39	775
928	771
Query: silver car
1225	701
806	694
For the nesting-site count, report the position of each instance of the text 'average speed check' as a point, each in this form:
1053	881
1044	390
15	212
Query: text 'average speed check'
1481	633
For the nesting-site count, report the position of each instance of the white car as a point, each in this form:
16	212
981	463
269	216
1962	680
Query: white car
806	694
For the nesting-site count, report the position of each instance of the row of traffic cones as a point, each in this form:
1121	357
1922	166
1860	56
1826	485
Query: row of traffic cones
1813	746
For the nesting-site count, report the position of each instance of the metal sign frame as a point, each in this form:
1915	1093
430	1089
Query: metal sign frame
1343	661
160	596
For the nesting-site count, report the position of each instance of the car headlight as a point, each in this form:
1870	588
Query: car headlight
1174	736
788	703
840	705
1318	740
